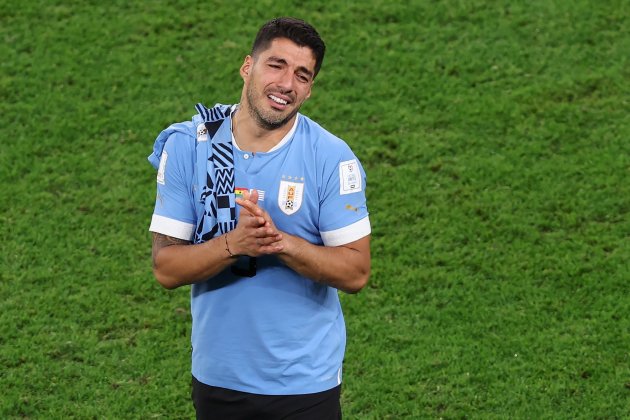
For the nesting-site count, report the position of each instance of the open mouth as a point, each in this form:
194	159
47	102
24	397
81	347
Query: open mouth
277	100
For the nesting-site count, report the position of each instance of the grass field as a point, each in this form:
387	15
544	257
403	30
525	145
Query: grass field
496	138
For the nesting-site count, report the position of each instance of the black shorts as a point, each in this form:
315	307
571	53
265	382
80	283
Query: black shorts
212	402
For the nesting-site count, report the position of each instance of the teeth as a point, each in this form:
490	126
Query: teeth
278	100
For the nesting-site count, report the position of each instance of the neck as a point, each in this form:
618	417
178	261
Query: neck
253	138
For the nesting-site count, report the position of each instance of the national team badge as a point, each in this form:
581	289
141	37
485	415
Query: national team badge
290	196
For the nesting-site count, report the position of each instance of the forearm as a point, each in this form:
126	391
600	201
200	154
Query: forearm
179	263
346	268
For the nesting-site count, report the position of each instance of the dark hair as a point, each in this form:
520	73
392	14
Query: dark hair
294	29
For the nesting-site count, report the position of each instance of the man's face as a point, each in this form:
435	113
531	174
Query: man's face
277	82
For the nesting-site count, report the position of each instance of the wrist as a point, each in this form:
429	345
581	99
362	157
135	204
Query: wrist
291	245
227	247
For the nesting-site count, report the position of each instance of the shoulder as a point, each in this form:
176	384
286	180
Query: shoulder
321	140
178	138
181	138
328	151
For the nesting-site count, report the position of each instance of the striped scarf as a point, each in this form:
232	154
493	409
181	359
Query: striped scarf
214	168
214	131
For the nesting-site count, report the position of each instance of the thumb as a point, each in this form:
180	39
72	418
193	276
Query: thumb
253	196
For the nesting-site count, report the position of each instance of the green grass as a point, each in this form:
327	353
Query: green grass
496	137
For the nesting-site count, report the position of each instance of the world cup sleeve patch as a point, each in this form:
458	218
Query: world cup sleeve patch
162	168
349	177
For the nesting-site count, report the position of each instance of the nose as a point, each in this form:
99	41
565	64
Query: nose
285	81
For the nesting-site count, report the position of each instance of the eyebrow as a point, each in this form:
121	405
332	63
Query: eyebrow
283	61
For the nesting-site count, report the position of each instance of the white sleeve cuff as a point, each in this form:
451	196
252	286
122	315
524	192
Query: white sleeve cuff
348	233
172	227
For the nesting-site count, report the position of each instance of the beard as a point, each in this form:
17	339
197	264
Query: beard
267	119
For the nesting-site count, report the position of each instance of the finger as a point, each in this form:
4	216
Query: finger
253	197
273	248
245	216
250	206
264	232
267	240
264	214
254	221
247	220
268	220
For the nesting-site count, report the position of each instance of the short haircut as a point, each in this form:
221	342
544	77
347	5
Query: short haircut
294	29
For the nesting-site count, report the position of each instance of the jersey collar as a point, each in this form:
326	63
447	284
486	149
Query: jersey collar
281	143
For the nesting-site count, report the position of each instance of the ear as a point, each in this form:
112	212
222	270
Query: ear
246	67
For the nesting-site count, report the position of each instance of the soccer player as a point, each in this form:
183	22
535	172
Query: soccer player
263	212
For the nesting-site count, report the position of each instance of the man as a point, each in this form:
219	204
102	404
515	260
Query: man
264	213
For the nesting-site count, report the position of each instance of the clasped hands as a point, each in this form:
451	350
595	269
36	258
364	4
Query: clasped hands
255	233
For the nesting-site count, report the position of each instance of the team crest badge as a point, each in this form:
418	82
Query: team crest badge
290	196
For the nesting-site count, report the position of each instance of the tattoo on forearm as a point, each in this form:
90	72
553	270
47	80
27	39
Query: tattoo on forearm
160	241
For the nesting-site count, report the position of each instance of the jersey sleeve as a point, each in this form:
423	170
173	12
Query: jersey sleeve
343	210
174	212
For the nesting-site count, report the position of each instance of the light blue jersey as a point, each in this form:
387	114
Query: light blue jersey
276	333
